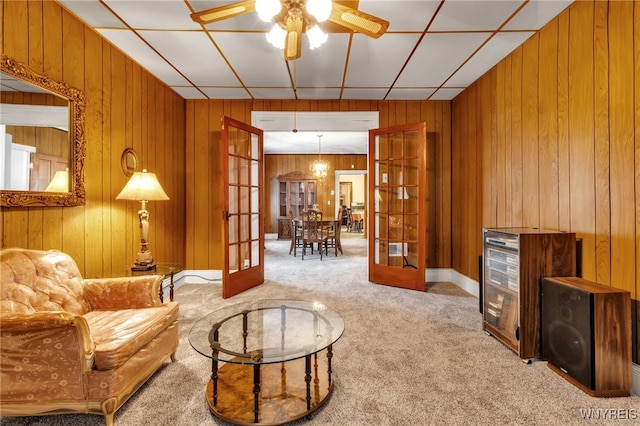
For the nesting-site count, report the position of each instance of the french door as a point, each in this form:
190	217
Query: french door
243	233
397	206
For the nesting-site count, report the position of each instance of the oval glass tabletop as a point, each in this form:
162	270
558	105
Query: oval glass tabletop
266	331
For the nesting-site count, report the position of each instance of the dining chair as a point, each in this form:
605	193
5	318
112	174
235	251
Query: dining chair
296	234
333	234
313	231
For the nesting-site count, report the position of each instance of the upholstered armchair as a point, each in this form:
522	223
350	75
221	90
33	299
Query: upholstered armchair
69	344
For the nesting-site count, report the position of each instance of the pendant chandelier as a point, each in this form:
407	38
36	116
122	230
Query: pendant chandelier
291	20
319	167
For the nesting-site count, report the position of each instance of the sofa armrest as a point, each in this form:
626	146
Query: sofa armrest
44	356
123	292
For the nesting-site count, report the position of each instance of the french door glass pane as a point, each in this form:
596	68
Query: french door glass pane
244	171
255	253
244	227
255	200
255	226
233	170
255	151
244	199
396	145
245	255
255	173
233	257
233	199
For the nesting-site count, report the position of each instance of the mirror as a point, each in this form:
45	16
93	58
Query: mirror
41	139
129	162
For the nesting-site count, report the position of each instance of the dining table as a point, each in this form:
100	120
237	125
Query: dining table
298	222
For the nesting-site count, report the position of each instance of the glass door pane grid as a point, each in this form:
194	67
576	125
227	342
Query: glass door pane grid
244	203
398	237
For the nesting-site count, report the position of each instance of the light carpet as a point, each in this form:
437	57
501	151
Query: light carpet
405	358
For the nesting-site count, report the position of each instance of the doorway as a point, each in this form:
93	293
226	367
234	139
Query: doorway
355	181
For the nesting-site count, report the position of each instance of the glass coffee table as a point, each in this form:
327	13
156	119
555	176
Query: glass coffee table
265	366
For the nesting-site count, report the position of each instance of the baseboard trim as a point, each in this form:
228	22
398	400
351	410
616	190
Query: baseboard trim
451	275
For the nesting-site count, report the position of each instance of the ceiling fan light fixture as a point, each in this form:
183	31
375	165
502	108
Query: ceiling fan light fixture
316	37
267	9
320	9
277	36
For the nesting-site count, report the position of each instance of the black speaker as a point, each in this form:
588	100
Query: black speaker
586	334
567	330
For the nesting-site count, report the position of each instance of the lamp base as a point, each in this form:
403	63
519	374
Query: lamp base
147	267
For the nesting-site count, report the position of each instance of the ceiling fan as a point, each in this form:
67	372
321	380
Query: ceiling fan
293	17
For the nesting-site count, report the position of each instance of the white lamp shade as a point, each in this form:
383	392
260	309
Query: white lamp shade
143	186
277	36
267	9
60	182
316	37
320	9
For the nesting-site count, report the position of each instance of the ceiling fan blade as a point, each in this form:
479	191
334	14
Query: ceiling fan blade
224	12
292	44
355	20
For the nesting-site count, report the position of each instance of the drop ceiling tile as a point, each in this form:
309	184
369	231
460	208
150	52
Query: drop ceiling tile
318	93
271	93
397	93
256	62
93	13
403	15
364	93
376	62
225	92
535	14
438	56
131	45
478	15
180	48
491	53
189	92
446	94
149	14
324	66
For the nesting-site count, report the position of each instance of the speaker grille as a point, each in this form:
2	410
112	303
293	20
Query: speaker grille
567	331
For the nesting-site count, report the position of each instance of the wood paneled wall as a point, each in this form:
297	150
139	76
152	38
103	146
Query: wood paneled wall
551	136
126	108
203	192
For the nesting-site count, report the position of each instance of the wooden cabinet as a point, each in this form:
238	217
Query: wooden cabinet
515	261
296	193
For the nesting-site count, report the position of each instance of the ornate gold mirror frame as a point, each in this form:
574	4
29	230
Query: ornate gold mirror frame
76	195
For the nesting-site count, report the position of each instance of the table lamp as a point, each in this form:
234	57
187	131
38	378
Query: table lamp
143	187
60	182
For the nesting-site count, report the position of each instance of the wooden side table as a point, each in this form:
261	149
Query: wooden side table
166	269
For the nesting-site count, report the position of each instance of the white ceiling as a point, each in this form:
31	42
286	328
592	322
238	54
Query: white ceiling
433	49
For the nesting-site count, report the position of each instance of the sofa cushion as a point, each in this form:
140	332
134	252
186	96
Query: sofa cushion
120	334
40	281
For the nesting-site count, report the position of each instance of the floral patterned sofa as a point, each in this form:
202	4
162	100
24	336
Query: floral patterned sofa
74	345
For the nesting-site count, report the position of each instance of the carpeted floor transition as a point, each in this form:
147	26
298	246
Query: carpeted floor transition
405	358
